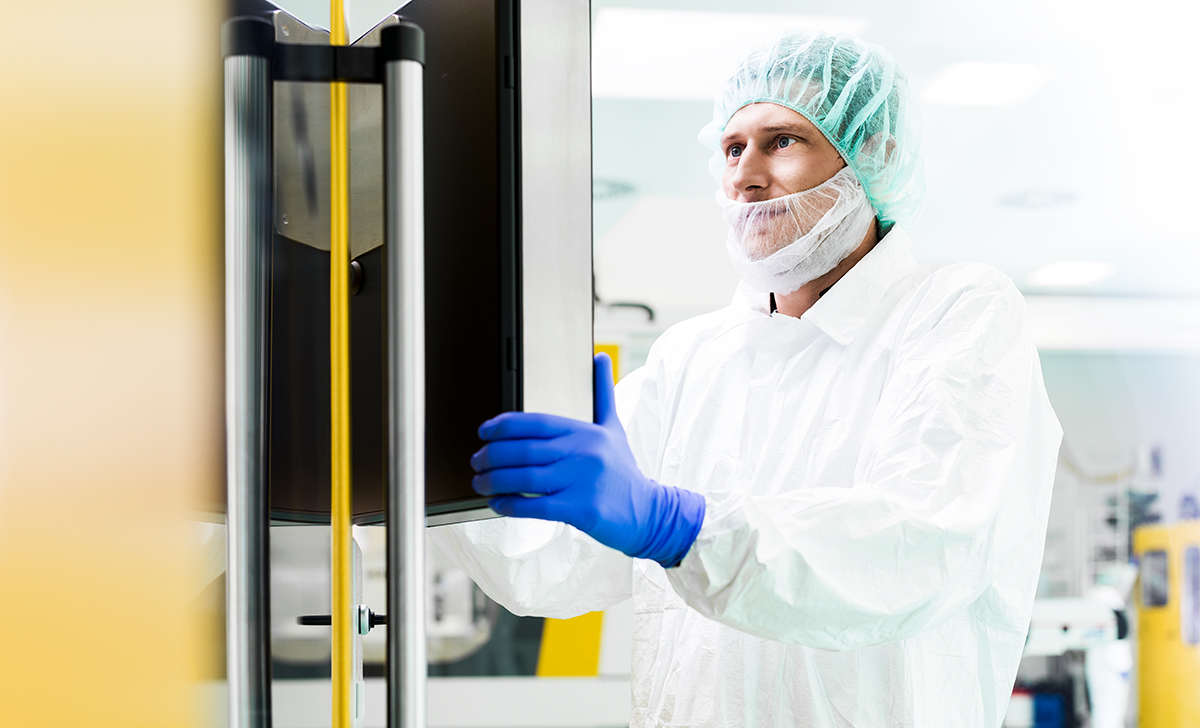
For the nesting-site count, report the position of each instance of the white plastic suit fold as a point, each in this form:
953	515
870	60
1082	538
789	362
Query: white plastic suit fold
877	476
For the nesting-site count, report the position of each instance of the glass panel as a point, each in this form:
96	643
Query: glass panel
1155	579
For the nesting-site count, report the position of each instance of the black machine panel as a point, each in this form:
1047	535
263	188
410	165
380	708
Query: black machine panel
472	289
471	202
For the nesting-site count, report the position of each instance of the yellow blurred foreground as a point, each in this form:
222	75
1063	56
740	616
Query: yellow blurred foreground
110	358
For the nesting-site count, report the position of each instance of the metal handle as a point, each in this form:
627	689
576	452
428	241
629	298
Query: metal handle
404	183
248	230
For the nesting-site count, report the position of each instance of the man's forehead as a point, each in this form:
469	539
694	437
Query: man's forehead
768	118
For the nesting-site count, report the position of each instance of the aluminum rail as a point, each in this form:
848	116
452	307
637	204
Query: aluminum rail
404	184
247	45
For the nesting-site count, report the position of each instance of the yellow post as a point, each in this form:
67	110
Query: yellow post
339	333
614	353
571	647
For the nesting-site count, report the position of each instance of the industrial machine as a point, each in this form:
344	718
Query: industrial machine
1168	624
1073	623
408	253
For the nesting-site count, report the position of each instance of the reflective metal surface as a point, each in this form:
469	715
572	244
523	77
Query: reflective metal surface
366	156
302	150
247	242
445	519
404	122
302	146
556	215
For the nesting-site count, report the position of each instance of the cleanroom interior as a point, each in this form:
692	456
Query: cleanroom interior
1031	167
1057	149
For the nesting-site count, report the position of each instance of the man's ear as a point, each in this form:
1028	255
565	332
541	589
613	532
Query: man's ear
881	147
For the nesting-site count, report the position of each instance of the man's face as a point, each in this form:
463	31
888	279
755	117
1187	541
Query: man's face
772	151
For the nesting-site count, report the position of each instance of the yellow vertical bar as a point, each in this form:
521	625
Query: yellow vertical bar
571	647
614	353
339	323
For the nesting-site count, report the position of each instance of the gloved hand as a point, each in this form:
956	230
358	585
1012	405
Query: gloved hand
584	474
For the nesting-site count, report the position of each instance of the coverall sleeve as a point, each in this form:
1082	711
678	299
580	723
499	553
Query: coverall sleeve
955	472
539	568
546	568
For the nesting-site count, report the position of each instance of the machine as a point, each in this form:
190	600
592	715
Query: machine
408	216
1167	598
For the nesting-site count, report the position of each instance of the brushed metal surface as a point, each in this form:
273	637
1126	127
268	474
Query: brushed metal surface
247	244
366	156
556	184
302	149
405	197
301	128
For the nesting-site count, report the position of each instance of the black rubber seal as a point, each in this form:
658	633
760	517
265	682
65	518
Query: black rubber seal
326	63
304	62
404	41
357	64
247	36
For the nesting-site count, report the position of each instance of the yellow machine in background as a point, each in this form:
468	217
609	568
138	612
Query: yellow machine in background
572	647
1168	607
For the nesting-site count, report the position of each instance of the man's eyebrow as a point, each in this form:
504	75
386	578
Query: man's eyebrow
773	129
785	127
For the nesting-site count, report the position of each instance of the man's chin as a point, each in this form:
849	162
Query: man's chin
759	247
764	244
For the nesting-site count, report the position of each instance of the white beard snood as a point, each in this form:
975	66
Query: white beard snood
779	245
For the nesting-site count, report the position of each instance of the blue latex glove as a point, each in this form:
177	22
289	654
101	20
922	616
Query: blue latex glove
585	475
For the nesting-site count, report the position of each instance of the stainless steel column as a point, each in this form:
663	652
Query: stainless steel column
247	45
404	183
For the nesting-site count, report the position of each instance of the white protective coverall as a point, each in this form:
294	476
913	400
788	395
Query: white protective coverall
877	477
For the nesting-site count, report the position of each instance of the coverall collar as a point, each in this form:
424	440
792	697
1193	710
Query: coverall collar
843	310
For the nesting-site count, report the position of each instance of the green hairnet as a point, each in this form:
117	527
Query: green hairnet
854	93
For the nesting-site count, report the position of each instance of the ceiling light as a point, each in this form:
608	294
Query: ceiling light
1114	323
1071	274
685	55
1038	199
985	84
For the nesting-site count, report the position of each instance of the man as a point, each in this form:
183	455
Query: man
835	490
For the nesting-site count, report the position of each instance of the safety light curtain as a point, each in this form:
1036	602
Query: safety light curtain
342	667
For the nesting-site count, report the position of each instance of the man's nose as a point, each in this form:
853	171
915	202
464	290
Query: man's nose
752	173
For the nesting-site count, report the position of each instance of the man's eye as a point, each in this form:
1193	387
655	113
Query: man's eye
735	152
785	142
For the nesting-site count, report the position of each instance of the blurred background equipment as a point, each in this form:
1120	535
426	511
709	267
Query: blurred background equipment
1168	602
1073	624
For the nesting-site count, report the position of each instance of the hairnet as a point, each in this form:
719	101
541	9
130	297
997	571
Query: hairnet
854	93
